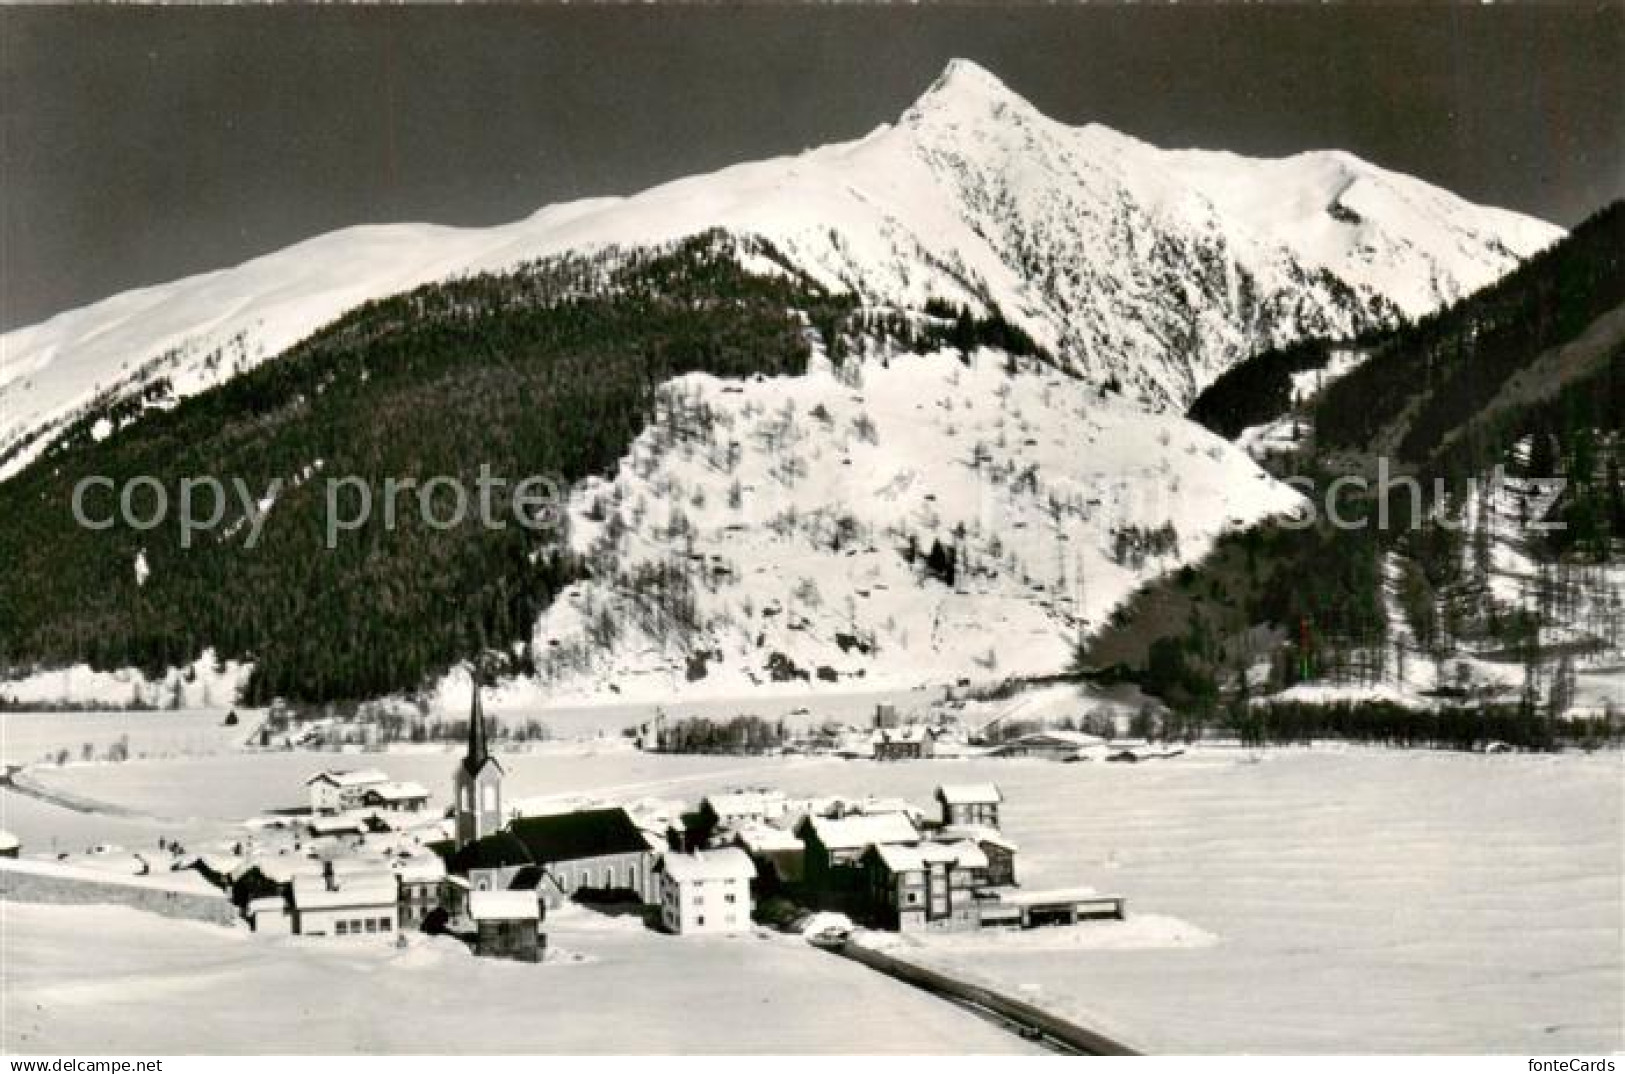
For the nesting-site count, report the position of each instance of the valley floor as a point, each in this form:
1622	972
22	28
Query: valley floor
612	987
1292	900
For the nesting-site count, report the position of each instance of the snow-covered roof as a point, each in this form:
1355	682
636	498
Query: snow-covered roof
374	889
969	794
271	904
399	791
875	806
9	841
765	838
1047	898
285	869
335	825
421	870
360	777
729	864
743	803
503	906
979	833
1064	738
854	833
899	859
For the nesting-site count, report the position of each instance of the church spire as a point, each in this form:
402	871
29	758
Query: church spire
478	754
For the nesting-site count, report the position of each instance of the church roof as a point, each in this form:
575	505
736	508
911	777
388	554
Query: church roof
586	833
499	850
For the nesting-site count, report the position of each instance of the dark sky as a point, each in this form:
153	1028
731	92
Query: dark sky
142	144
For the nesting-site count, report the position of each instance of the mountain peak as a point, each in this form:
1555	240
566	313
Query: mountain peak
966	84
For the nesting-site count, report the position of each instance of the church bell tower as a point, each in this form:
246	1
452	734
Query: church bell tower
478	781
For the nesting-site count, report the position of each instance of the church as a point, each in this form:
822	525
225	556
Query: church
597	853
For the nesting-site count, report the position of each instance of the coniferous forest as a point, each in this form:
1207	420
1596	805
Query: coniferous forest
547	371
550	370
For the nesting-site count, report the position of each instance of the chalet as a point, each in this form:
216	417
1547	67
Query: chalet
507	924
833	846
395	797
874	807
707	892
999	850
912	743
597	851
930	886
335	791
335	826
777	854
363	904
737	809
422	882
970	803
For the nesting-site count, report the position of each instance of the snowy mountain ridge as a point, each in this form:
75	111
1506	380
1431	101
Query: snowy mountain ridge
1155	268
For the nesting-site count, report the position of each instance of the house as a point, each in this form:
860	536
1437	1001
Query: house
395	797
872	807
335	826
361	904
706	892
507	924
422	882
912	743
777	854
1000	851
970	803
269	914
930	886
833	846
737	809
1062	906
597	851
1050	745
334	791
10	845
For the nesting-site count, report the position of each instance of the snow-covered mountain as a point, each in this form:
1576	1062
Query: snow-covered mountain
1157	268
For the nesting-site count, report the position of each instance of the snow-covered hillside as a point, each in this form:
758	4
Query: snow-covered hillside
789	507
1159	268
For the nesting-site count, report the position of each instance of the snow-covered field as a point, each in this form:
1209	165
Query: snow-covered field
31	737
614	987
1315	900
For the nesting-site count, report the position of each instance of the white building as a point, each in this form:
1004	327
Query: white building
396	797
359	904
336	791
269	915
707	892
738	809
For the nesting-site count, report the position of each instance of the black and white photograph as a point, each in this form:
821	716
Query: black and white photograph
795	529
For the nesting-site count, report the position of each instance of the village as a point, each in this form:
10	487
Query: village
368	858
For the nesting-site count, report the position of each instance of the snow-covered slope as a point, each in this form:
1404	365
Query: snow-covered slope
788	506
1159	268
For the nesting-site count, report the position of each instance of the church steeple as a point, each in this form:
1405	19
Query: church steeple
478	780
478	754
